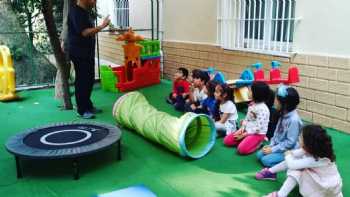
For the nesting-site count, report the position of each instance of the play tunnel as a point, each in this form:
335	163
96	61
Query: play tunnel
191	135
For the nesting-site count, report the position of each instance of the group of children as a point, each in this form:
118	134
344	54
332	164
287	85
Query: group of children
305	152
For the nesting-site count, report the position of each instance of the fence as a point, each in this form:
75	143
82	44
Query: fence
31	58
256	25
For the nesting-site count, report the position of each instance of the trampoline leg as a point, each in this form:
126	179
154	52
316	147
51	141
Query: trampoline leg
76	169
119	153
18	168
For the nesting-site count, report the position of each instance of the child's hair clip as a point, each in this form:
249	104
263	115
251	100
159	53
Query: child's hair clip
282	91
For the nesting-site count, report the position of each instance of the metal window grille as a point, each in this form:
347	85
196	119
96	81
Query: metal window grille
256	25
122	13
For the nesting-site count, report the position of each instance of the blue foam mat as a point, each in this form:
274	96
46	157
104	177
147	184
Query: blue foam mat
133	191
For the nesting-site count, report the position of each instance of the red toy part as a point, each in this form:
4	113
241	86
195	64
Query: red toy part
147	74
293	76
259	75
275	74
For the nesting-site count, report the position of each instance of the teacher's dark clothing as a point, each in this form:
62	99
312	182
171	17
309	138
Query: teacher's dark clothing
82	54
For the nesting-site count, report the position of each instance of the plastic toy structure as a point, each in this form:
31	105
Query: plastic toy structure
216	75
248	77
7	75
192	135
142	62
108	79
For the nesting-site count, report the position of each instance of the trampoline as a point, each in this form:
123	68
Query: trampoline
63	141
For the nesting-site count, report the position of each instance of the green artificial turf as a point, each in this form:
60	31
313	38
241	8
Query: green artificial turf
221	173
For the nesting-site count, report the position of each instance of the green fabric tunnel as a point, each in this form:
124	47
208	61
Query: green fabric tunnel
192	135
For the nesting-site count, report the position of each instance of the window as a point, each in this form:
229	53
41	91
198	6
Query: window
257	25
122	13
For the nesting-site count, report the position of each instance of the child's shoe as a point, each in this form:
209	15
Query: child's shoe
265	174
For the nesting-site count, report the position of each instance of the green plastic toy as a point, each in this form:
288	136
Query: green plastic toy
108	79
150	48
192	135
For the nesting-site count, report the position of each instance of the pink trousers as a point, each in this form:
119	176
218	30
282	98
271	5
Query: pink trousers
247	145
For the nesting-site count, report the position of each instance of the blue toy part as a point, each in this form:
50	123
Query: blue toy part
275	64
257	65
219	77
282	91
211	70
246	79
240	83
247	74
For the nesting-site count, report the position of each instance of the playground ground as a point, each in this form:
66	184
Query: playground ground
221	173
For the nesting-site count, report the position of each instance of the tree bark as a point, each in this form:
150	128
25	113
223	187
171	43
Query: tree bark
64	40
59	55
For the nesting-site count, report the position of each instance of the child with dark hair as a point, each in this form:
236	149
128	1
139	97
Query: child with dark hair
198	95
287	130
181	89
274	115
312	167
227	109
209	106
254	127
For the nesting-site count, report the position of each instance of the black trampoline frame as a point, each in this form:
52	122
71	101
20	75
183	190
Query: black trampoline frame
20	150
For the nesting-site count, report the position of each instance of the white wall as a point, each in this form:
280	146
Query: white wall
106	7
324	27
190	20
139	13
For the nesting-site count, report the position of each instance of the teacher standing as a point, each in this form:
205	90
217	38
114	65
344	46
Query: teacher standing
81	44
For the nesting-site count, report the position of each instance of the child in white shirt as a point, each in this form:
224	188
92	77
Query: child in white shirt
228	112
197	95
312	167
254	127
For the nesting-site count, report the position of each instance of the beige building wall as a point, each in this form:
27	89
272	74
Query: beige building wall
190	20
324	87
110	49
323	28
321	43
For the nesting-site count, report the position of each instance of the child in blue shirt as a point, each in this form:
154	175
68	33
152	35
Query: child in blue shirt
287	130
209	105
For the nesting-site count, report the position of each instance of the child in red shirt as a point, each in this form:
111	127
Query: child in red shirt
181	89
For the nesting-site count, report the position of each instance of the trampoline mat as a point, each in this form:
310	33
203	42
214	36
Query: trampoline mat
63	140
66	136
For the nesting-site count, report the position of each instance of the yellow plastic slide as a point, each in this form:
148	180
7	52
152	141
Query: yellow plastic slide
7	75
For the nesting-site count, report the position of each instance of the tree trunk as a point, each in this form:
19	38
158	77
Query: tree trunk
59	55
64	39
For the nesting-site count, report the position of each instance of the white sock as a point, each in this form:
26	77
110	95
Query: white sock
278	167
287	187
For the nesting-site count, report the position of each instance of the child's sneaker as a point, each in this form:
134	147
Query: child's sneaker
273	194
265	174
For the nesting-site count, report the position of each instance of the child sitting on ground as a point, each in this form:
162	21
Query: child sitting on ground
198	95
287	130
274	115
312	167
181	89
209	106
228	112
254	127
